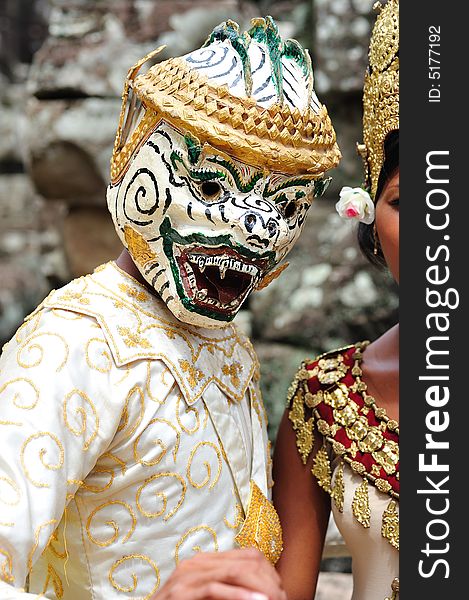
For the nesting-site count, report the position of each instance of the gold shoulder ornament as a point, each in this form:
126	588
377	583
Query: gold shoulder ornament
318	391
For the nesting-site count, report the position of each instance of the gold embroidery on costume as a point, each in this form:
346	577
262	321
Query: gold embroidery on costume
322	469
117	460
80	416
42	453
7	567
195	375
133	293
36	351
390	524
331	370
195	549
208	477
304	428
160	495
158	442
270	480
187	411
133	586
133	339
361	504
54	579
364	428
233	371
69	295
19	393
261	528
337	493
258	405
395	589
99	360
136	391
37	533
51	546
133	395
238	519
111	523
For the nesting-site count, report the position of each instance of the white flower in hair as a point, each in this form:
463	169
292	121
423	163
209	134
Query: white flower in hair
356	203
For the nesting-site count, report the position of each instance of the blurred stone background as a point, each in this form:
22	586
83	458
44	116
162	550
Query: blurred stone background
62	66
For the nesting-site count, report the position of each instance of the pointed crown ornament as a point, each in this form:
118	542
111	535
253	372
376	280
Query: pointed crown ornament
380	92
248	94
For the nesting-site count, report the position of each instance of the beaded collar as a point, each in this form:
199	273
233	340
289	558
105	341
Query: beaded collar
329	396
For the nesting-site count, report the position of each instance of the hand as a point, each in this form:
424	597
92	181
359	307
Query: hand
242	574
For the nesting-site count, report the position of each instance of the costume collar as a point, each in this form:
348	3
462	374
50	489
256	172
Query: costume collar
138	326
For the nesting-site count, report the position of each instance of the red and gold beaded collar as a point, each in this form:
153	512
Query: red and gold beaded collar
329	395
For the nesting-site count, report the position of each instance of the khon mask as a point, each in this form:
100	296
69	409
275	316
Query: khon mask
217	159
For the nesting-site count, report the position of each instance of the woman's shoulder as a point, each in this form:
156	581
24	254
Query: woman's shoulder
328	369
329	396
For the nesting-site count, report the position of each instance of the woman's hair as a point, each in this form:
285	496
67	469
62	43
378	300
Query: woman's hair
366	238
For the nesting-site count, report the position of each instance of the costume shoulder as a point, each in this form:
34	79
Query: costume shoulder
328	396
137	326
310	381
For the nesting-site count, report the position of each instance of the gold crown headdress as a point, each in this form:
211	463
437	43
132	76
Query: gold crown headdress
380	92
284	136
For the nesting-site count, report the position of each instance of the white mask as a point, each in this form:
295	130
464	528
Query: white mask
204	213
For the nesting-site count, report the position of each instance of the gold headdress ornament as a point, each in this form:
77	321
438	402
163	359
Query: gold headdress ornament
280	137
380	92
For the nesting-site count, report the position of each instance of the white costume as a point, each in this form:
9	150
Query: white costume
129	441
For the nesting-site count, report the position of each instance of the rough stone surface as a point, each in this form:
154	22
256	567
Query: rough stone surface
69	146
342	31
279	363
30	262
85	228
334	586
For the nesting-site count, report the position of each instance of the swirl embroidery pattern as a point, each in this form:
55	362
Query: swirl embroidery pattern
121	453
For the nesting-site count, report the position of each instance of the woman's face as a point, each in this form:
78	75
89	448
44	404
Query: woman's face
387	223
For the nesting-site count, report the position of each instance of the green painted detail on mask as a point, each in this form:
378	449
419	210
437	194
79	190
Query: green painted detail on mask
199	175
229	30
194	149
319	186
234	171
265	31
293	50
167	231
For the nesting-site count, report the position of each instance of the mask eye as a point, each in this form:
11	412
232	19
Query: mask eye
211	190
290	209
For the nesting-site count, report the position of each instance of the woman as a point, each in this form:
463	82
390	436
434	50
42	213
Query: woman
341	424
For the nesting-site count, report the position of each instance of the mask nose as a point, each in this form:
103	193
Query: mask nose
257	225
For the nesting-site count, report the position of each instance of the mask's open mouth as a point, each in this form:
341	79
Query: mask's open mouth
217	278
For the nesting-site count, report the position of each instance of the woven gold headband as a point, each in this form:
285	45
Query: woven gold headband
277	138
380	92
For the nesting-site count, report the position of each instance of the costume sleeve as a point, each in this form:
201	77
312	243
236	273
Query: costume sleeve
301	414
56	418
